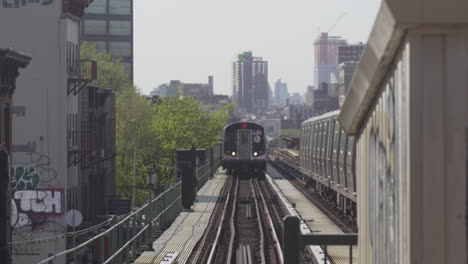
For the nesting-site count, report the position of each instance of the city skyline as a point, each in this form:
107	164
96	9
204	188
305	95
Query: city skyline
209	35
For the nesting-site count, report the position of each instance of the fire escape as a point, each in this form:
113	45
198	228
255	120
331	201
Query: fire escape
82	74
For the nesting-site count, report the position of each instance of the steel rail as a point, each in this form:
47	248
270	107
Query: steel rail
220	228
215	243
279	251
259	221
231	222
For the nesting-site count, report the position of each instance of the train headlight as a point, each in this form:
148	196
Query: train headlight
255	154
233	154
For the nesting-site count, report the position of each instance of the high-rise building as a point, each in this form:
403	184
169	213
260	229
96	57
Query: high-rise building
109	25
346	72
281	93
326	58
250	87
296	99
309	96
350	53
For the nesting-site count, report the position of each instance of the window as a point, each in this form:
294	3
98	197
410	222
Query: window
97	7
120	49
120	28
128	68
95	27
120	7
100	45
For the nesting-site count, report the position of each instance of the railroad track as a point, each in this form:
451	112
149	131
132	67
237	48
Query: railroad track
246	226
342	222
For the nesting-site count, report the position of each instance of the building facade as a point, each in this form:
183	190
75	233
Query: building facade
326	58
198	90
109	25
297	113
250	82
10	62
96	156
309	96
281	93
325	98
345	72
45	184
296	99
350	53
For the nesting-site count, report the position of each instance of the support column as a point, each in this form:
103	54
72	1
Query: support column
186	172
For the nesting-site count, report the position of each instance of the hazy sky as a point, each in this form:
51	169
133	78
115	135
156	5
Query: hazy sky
188	40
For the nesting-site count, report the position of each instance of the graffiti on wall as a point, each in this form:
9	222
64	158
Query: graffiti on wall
34	201
25	177
21	3
33	208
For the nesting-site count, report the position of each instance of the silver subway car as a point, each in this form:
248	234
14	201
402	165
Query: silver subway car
244	148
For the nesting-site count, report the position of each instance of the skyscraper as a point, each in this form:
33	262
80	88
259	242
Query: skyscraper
250	87
350	53
109	25
326	58
281	93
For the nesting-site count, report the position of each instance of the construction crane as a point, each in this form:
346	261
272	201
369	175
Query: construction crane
336	23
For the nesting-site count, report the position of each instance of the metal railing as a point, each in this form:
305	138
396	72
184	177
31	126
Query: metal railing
293	241
126	238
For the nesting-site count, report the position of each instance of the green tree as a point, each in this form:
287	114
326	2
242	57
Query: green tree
155	128
111	73
180	123
133	121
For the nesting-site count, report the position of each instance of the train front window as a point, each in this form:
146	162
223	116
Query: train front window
244	138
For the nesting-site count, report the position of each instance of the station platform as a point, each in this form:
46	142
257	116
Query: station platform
313	217
178	241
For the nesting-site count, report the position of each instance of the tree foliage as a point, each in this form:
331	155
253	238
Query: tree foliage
153	128
111	73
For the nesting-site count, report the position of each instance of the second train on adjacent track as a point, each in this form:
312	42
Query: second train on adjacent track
325	161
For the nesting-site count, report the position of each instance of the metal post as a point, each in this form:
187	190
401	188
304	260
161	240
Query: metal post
211	163
291	239
134	175
325	253
101	249
150	218
90	254
127	237
134	232
5	211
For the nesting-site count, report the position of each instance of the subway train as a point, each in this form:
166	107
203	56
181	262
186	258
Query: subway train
326	159
244	149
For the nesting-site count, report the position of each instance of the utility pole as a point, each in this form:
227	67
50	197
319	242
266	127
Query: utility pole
5	210
133	121
134	175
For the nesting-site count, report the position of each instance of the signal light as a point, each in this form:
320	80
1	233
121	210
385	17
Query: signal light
244	125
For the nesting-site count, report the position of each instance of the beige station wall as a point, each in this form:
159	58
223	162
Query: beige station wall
411	163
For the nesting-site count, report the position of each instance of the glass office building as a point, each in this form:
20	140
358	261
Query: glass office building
109	25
